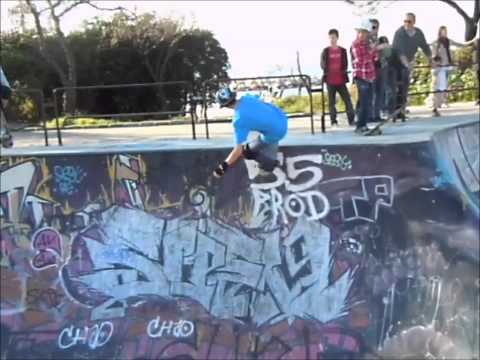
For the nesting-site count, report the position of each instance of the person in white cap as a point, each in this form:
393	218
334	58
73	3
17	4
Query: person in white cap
364	55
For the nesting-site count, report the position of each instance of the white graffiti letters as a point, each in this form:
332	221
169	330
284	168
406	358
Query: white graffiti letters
95	336
179	329
297	200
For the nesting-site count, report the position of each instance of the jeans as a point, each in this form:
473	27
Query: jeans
401	88
389	89
378	94
364	104
343	91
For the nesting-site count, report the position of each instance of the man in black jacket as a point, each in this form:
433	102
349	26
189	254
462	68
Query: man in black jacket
408	38
334	63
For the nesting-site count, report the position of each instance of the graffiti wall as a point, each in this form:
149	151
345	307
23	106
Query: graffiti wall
343	252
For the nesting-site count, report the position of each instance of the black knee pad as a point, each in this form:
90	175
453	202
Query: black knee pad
248	154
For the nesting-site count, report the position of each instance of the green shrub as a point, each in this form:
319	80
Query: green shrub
22	108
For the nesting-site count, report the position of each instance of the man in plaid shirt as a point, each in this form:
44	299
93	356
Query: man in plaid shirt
364	55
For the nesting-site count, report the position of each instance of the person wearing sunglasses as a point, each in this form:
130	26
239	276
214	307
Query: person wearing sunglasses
408	38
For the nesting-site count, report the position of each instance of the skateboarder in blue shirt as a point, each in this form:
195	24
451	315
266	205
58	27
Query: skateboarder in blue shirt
253	114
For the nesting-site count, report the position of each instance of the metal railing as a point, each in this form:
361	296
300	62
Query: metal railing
209	85
187	86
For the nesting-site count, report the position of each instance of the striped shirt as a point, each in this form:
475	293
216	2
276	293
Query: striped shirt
364	58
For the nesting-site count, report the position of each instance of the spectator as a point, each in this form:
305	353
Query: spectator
334	63
390	65
441	66
406	41
378	86
364	57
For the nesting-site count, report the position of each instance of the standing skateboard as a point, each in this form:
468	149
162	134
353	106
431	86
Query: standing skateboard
377	129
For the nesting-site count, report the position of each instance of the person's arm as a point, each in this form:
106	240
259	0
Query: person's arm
241	135
461	45
398	45
322	60
424	45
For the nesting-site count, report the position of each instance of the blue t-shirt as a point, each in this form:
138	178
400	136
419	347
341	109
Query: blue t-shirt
252	114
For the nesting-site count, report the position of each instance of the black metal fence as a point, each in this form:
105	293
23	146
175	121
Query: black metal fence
186	85
204	96
39	97
263	83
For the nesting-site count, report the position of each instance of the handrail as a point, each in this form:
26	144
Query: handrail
187	85
306	79
41	102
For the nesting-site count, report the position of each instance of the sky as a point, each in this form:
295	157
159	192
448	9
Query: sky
262	37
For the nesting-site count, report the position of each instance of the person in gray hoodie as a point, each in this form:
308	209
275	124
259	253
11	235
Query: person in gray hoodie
406	41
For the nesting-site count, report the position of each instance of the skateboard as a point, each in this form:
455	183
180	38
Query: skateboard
377	129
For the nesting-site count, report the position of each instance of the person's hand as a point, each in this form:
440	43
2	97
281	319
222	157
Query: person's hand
220	170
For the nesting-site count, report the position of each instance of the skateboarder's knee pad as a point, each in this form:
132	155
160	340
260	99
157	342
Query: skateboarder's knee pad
269	165
248	153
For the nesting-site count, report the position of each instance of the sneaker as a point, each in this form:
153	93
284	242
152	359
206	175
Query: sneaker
361	130
435	113
334	123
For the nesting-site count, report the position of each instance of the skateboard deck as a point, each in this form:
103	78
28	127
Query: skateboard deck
377	129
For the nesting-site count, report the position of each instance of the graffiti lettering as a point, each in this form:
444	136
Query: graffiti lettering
47	243
336	160
179	329
95	336
273	205
67	178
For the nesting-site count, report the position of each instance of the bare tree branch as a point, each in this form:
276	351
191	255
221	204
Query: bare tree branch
36	17
73	5
118	8
456	7
41	40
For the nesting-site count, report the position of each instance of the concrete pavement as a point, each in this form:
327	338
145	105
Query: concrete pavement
101	137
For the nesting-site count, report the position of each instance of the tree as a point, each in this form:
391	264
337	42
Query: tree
168	50
471	22
54	11
122	50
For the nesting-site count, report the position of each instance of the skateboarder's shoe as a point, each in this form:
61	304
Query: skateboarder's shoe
361	130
